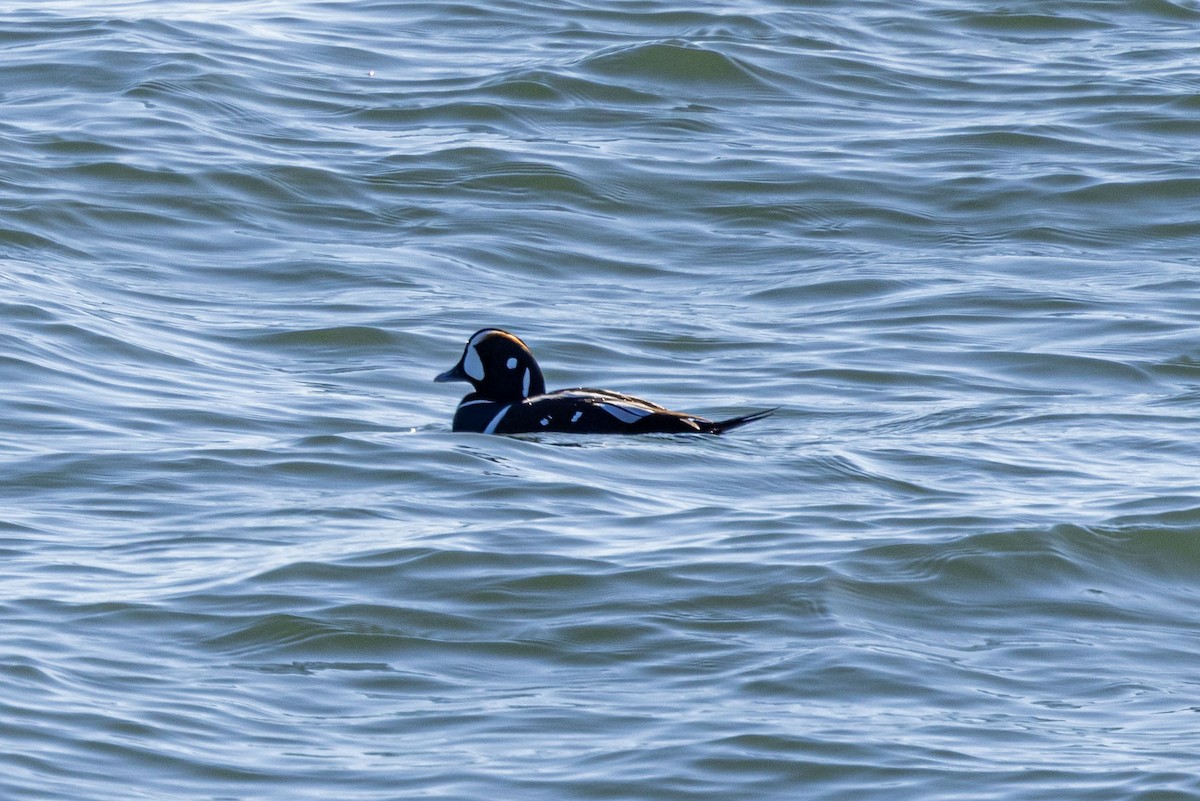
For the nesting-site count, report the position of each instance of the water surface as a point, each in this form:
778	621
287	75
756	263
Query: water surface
245	557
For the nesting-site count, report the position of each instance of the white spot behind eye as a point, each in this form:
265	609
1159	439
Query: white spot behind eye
545	421
511	364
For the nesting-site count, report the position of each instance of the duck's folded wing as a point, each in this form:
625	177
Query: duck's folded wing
602	410
589	395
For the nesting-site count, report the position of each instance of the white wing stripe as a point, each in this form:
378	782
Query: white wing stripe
626	414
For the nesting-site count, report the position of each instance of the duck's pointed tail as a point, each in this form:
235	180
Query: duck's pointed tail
721	426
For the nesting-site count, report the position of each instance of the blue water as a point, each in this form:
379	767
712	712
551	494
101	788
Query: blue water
244	557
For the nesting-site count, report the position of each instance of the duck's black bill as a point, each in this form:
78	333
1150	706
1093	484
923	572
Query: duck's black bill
455	373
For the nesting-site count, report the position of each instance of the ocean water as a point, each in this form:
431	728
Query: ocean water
957	242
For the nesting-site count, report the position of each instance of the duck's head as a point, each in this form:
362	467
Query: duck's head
499	366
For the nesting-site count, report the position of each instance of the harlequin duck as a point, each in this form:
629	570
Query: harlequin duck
510	397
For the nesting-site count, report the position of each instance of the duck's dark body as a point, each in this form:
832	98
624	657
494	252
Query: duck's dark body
510	398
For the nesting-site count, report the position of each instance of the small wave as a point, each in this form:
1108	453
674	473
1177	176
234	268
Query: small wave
662	65
346	336
1067	573
1029	25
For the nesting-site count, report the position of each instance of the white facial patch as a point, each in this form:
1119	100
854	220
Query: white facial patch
472	364
511	364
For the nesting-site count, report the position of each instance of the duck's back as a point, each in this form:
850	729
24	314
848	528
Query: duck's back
576	411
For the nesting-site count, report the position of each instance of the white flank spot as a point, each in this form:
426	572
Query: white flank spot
511	364
575	417
524	382
472	364
626	414
491	427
